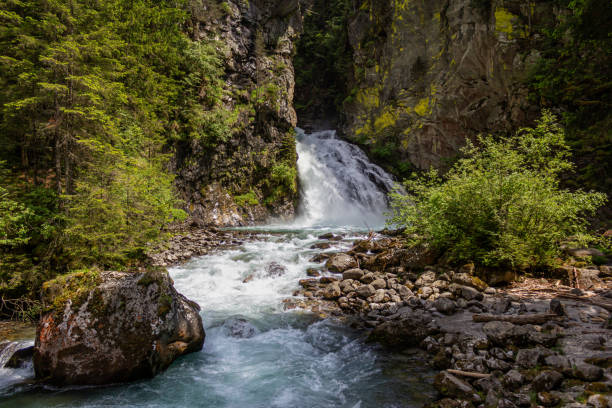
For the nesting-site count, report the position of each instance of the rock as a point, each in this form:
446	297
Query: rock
355	274
442	285
547	380
408	331
378	297
425	292
547	399
587	372
332	291
313	272
501	306
498	332
365	291
114	327
527	358
513	379
339	263
328	235
379	284
561	363
328	279
444	305
248	278
587	278
239	327
321	245
451	386
490	291
441	360
598	401
20	358
426	278
490	383
469	293
309	283
585	252
465	279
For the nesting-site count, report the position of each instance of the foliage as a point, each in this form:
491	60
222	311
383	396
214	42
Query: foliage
574	75
246	199
93	95
500	205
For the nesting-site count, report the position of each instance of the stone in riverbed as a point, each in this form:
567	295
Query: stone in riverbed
354	273
451	386
332	291
379	284
444	305
274	270
587	372
339	263
239	327
527	358
111	327
365	291
547	380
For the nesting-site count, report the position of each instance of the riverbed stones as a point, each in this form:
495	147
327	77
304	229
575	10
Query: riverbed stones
379	284
239	327
332	291
445	305
116	327
365	291
339	263
547	380
354	273
451	386
587	372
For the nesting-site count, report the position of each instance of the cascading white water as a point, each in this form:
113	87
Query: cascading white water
288	359
339	186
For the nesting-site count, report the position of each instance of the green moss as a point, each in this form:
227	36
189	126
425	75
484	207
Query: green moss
151	276
74	287
248	199
164	305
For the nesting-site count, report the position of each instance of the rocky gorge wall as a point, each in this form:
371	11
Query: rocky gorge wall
251	175
427	75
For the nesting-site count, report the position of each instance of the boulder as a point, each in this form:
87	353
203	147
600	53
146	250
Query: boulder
547	380
527	358
339	263
587	372
239	327
332	291
110	327
513	379
354	273
426	278
274	270
365	291
465	279
444	305
407	331
379	284
20	358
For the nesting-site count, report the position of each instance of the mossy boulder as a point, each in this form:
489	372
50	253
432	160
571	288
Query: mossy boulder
110	327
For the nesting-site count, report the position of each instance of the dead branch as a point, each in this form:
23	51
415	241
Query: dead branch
538	318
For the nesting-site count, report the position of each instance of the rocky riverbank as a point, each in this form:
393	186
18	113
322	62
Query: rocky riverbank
536	342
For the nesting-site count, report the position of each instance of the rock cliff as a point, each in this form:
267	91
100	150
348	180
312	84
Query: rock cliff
252	175
427	75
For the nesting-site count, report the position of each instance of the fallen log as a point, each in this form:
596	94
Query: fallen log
468	374
538	318
603	305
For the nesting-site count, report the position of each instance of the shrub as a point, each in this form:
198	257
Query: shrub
501	204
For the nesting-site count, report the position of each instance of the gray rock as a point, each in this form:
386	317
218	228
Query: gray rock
128	326
239	327
338	263
513	379
587	372
354	273
490	291
561	363
426	278
547	380
20	358
444	305
469	293
498	332
274	270
599	401
557	307
527	358
489	383
547	399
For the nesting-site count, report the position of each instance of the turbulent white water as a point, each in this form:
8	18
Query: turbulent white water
290	358
339	185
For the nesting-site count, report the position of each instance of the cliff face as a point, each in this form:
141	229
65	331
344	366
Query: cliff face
252	175
429	74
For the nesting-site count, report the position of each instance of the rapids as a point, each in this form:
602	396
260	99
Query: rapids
288	358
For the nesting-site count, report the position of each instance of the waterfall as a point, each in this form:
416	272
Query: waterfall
339	186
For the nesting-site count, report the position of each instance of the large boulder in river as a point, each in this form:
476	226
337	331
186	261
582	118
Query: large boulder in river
109	327
339	263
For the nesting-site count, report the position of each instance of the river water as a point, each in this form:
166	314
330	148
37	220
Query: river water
289	358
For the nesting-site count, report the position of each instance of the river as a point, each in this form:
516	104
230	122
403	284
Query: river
288	358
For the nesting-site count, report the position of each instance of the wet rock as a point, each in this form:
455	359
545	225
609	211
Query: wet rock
248	278
451	386
501	306
328	279
365	291
527	358
318	258
321	245
444	305
239	327
313	272
587	372
274	270
328	235
21	358
332	291
339	263
547	380
513	379
117	327
355	274
310	283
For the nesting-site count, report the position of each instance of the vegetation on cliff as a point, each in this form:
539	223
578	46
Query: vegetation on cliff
501	205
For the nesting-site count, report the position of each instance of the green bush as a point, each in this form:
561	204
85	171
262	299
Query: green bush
501	204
